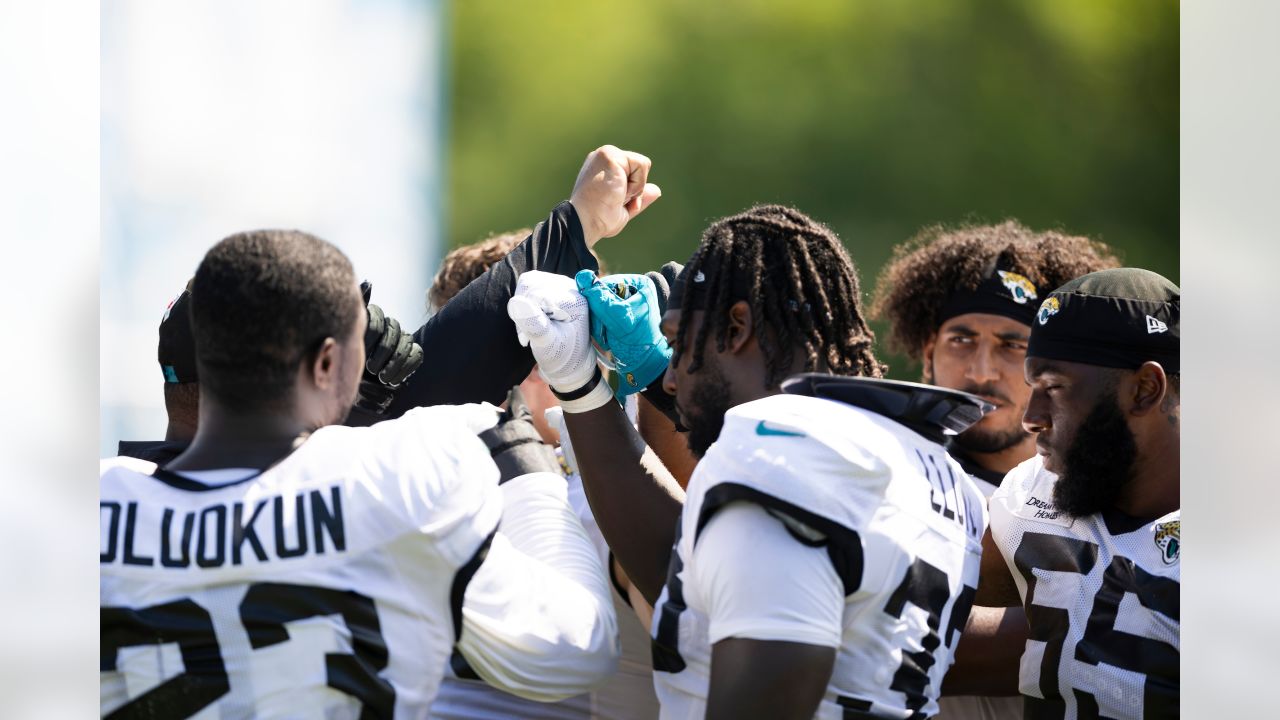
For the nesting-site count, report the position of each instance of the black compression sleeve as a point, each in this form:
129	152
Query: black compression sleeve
470	349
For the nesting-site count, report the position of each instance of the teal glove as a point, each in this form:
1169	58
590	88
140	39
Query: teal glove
624	321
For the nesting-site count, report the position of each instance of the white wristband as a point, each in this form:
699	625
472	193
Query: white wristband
599	396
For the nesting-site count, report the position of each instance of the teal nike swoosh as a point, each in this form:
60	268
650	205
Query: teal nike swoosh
762	429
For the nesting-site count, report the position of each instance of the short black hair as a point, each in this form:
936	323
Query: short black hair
800	282
261	303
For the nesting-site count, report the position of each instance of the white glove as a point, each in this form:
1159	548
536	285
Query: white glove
551	319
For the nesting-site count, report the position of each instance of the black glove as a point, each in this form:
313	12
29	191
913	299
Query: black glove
515	445
391	356
663	280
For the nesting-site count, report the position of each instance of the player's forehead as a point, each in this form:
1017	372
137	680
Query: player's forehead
670	322
985	324
1040	369
362	315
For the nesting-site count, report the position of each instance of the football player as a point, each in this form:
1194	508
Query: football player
1089	529
628	694
282	566
961	302
177	354
390	357
825	555
611	188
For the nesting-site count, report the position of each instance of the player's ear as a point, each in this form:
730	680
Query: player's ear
1150	385
926	359
324	364
741	326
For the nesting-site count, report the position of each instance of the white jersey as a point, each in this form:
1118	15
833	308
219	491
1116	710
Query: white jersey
1101	595
979	707
332	584
626	695
900	521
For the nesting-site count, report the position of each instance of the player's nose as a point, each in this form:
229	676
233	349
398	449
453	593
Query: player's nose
669	380
1036	417
981	368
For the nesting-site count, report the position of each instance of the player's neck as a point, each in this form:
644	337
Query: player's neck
1155	488
179	430
226	439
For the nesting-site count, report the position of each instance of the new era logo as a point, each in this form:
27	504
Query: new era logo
1155	326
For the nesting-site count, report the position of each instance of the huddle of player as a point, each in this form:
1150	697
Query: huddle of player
742	519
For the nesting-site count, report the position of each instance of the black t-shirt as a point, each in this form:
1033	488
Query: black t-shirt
973	468
159	452
470	349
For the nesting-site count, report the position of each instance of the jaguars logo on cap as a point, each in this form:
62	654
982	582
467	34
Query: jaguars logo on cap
1048	308
1020	288
1168	539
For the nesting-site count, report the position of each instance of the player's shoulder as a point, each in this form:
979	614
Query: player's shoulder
1025	477
800	455
422	437
124	464
1027	493
819	426
122	472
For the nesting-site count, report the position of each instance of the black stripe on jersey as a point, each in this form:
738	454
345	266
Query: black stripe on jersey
461	668
843	544
174	480
617	586
463	578
855	709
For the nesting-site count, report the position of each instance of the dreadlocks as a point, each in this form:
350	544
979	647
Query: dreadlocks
801	284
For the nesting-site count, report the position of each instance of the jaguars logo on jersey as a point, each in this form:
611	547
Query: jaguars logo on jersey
1020	288
1168	539
1048	308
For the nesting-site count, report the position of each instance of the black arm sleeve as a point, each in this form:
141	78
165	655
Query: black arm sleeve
470	349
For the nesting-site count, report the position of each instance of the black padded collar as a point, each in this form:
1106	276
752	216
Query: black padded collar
932	411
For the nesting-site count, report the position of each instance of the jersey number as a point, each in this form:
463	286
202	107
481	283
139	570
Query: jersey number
264	611
1102	642
927	588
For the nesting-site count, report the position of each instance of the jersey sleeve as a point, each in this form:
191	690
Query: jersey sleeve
436	474
763	583
538	621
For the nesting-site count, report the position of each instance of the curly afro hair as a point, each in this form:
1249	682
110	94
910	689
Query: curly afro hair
938	261
464	264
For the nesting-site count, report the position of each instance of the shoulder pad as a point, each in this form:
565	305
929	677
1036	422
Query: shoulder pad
932	411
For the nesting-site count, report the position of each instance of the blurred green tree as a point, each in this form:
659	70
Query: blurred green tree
876	118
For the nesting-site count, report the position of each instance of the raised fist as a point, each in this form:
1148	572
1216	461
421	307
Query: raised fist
612	187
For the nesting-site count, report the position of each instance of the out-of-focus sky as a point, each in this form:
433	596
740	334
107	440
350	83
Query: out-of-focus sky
220	117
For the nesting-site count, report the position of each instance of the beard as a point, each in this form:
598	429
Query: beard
975	440
710	401
1098	466
982	440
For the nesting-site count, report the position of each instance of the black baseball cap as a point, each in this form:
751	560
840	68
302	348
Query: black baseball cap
177	350
1117	318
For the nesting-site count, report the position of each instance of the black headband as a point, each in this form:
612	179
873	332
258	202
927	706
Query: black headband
1117	318
690	293
1004	293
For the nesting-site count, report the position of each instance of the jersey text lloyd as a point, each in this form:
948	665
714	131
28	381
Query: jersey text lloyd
225	533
